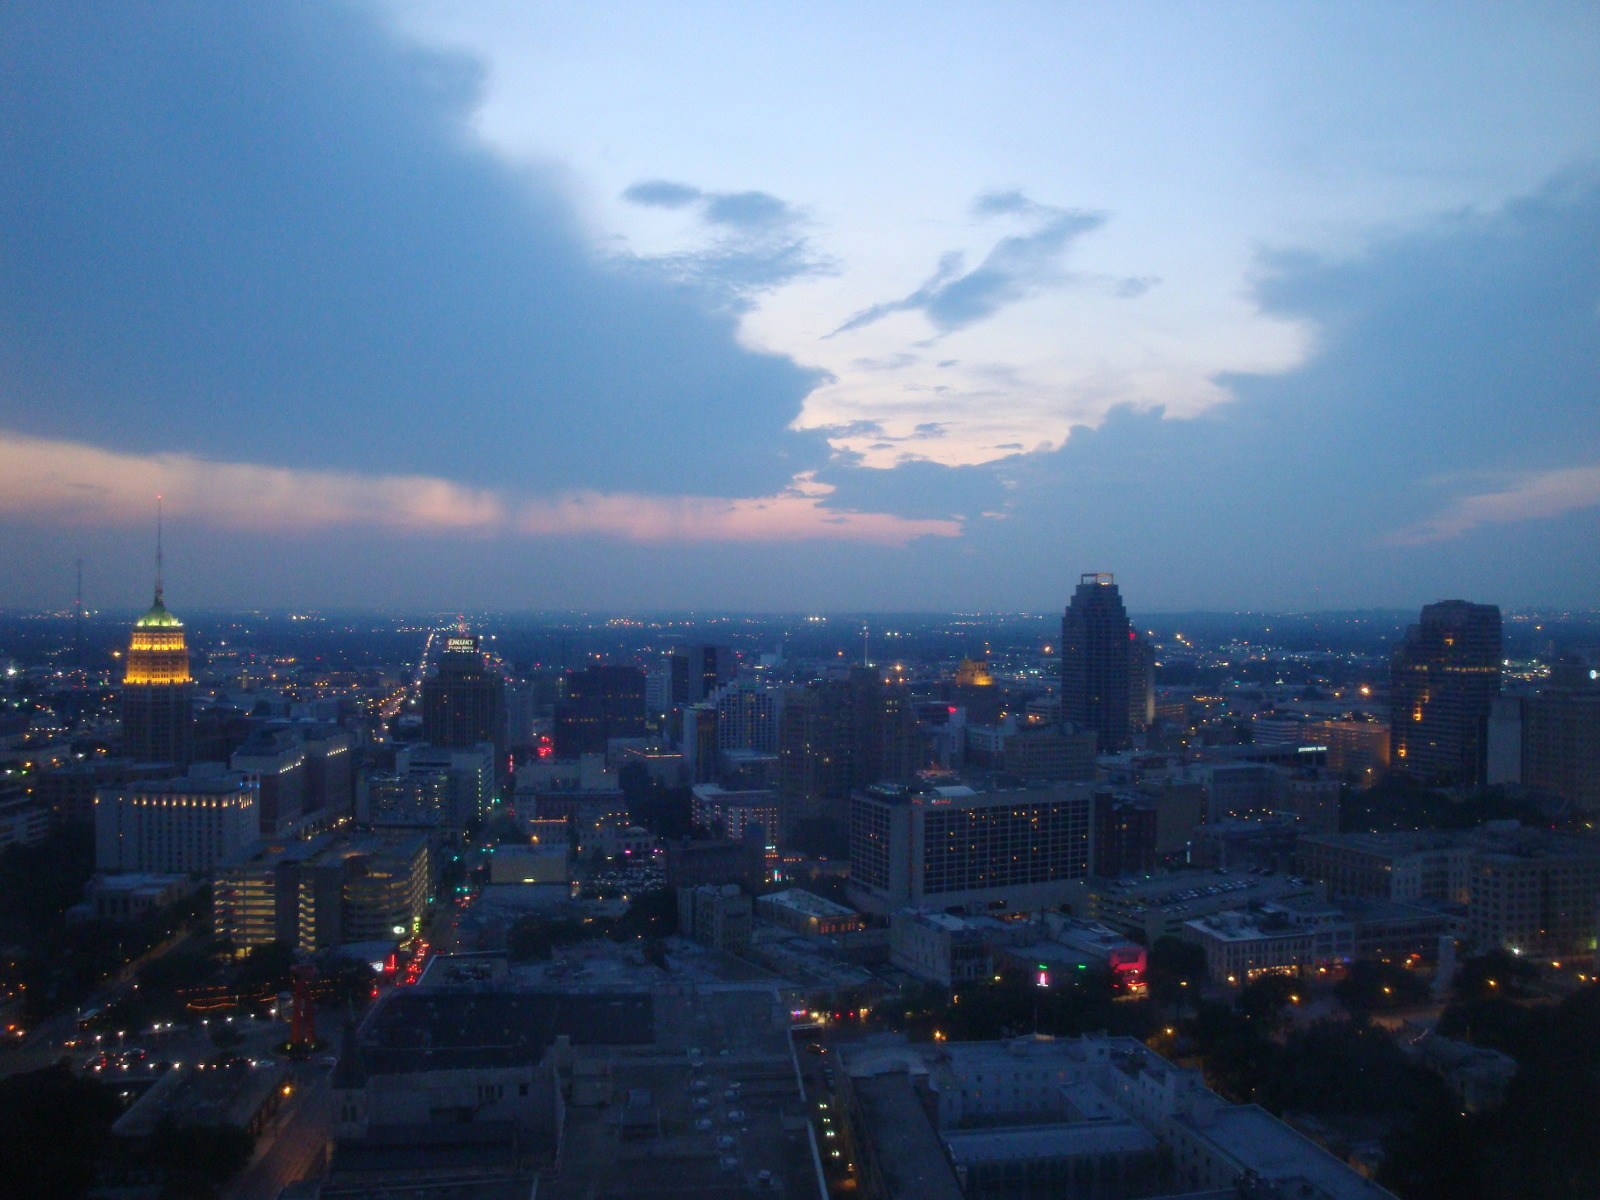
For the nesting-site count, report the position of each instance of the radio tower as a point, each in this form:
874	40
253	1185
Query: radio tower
77	622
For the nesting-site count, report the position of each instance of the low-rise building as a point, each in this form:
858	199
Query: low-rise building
949	950
719	916
806	912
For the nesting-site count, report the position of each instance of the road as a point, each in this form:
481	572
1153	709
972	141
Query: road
295	1145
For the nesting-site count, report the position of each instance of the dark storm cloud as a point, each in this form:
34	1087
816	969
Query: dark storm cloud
266	233
1017	267
1440	439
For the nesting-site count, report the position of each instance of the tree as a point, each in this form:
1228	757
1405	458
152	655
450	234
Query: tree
1266	999
1492	975
56	1129
1176	971
1372	986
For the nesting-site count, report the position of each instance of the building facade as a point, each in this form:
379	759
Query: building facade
953	847
1443	677
1097	661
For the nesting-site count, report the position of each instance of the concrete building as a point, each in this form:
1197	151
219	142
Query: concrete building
1291	936
730	814
1527	890
716	915
1549	742
1358	751
328	891
469	770
954	847
175	826
1148	909
949	950
808	913
1093	1118
1033	751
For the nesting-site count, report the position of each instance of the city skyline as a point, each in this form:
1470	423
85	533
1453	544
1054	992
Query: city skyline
407	308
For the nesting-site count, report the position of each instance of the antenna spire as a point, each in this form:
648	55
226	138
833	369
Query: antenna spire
158	550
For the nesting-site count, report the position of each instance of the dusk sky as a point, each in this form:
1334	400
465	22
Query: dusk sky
784	307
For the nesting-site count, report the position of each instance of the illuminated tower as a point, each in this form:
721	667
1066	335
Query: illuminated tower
1442	679
157	689
1097	661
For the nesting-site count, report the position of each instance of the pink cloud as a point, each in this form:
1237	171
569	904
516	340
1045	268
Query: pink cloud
69	481
1533	497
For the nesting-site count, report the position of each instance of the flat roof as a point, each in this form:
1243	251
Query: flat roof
910	1153
1259	1142
1016	1142
809	903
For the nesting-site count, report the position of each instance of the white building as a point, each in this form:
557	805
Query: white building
176	826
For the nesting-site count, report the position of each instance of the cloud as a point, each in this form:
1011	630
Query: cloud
264	232
1535	497
1015	268
1466	347
759	247
932	429
662	193
71	484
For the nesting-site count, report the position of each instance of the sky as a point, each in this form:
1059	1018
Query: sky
800	307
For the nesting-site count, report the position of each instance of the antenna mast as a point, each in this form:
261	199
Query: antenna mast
77	621
158	550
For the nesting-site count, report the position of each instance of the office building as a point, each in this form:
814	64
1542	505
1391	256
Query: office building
468	769
747	717
1527	890
1097	661
157	690
696	671
730	814
175	826
1033	750
1443	677
275	759
332	890
838	734
599	703
463	701
1549	742
953	846
1358	751
1124	834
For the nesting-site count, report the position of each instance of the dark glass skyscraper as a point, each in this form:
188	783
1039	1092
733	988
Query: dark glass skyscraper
1442	678
464	703
601	702
1097	661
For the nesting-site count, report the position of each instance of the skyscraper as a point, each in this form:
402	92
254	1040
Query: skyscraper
157	689
1443	677
464	703
601	702
1097	661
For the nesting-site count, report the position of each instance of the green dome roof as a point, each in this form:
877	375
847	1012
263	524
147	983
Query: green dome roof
158	618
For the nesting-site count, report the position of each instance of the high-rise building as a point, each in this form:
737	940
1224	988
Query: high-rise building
175	826
601	702
1097	661
157	689
950	847
1549	742
838	734
1443	677
464	702
698	670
